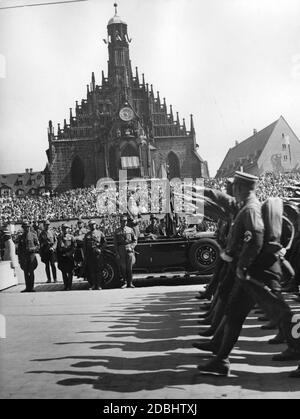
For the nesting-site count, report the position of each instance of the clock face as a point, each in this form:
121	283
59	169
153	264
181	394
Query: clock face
126	114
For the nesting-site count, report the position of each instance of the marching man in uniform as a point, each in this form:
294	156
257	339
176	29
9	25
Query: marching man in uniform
125	242
253	245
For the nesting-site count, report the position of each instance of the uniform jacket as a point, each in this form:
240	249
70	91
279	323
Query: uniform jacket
152	230
28	246
79	236
224	207
126	238
65	246
65	252
93	244
246	236
47	240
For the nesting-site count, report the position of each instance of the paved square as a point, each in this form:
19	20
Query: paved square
126	344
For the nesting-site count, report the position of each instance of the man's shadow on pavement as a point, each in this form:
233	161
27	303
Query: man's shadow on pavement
162	323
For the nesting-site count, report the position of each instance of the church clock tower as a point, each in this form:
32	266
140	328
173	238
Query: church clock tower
119	65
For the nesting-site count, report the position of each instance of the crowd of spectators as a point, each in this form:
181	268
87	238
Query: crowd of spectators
270	185
83	202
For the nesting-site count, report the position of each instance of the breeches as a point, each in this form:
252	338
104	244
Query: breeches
127	261
94	267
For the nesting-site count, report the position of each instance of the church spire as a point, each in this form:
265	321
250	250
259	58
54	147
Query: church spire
192	126
93	85
119	65
158	100
165	105
137	75
171	113
184	126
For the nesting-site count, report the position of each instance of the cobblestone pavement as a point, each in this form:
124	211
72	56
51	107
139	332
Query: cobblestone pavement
126	344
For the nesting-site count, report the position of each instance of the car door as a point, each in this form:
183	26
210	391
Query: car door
143	257
168	253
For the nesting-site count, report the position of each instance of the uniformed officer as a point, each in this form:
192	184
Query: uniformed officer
125	242
79	235
93	246
27	247
252	247
48	244
65	256
162	228
133	221
223	207
152	230
221	285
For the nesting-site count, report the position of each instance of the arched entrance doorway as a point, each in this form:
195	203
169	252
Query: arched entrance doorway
173	166
77	173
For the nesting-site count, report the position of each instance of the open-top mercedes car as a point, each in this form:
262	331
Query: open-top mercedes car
166	254
188	251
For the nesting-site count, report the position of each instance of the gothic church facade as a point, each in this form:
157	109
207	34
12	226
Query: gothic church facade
121	125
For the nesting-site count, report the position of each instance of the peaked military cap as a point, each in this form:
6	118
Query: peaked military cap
245	178
65	225
92	222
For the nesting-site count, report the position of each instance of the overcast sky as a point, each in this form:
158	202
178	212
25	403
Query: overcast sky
234	64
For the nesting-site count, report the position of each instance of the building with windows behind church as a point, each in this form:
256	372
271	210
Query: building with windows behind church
275	149
20	184
121	125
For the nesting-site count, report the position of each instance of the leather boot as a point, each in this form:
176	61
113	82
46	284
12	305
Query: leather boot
216	366
205	346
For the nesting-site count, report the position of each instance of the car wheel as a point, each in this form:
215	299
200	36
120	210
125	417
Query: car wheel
110	273
204	255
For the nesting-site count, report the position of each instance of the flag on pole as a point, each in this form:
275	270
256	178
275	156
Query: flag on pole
132	162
